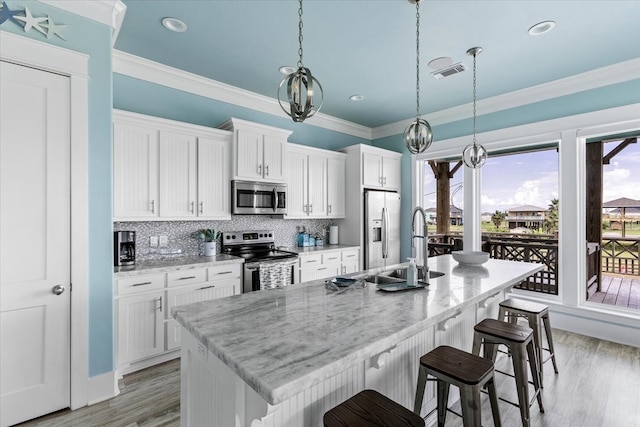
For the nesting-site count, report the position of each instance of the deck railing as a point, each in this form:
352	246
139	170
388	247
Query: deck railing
621	255
537	248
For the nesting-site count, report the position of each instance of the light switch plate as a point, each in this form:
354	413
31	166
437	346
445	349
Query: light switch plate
153	241
164	241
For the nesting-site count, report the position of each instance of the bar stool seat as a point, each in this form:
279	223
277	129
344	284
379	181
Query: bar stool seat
468	372
537	316
371	409
519	339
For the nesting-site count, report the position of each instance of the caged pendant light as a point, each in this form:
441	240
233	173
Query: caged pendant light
418	136
300	91
474	155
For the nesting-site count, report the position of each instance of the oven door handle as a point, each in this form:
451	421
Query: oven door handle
251	267
275	199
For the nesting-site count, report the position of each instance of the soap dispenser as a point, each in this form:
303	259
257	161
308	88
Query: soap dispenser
412	273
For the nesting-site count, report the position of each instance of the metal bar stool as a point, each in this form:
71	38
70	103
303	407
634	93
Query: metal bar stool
519	339
538	316
467	372
368	409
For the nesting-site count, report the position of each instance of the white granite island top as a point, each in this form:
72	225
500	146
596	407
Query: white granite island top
282	341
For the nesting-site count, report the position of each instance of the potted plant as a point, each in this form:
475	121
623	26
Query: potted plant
209	236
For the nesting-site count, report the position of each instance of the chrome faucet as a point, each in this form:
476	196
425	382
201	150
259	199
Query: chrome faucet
425	242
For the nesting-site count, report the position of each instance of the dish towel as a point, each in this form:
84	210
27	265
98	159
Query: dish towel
276	274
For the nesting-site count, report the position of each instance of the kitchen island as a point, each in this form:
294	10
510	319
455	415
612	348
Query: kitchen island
283	357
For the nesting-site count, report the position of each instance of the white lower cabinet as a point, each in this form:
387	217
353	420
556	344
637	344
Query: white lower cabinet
147	334
321	264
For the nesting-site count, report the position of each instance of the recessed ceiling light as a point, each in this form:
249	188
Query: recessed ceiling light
440	63
174	24
286	70
356	97
541	28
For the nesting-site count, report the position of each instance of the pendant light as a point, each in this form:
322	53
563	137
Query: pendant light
300	91
418	135
474	155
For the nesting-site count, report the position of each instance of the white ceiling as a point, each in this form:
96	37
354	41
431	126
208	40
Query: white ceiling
368	47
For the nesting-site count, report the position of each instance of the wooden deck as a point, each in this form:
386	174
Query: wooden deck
618	290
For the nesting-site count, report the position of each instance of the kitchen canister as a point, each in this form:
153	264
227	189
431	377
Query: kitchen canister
333	235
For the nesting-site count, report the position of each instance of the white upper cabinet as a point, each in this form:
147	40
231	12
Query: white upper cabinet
135	171
169	170
178	175
315	183
380	168
259	151
336	185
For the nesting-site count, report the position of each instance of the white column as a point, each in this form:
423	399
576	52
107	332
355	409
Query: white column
472	231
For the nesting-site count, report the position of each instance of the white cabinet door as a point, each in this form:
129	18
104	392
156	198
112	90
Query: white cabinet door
372	170
274	158
140	326
336	187
297	185
249	155
319	272
213	178
391	173
178	175
317	186
135	171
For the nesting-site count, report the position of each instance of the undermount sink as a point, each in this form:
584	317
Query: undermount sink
397	275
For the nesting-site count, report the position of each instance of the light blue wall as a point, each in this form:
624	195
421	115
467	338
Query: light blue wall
94	39
142	97
620	94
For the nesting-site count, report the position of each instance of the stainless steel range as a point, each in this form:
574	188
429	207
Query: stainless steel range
258	247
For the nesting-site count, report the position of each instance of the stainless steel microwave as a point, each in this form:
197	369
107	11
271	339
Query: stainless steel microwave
258	198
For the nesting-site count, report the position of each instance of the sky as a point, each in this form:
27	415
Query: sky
532	179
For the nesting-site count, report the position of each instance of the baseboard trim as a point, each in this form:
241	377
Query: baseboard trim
102	387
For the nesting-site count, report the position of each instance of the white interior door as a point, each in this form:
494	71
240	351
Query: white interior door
34	243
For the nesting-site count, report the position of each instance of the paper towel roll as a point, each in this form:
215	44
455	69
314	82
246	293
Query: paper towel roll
333	235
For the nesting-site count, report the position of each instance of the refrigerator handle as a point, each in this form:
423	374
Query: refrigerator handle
385	234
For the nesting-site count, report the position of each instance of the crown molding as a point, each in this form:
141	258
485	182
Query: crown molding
154	72
612	74
107	12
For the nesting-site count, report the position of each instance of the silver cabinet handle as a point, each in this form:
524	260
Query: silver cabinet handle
384	180
259	169
312	260
187	278
192	207
206	287
380	180
153	206
323	268
329	209
160	308
201	207
311	208
141	284
224	272
57	290
266	170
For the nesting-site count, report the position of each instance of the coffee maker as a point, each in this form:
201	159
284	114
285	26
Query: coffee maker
124	248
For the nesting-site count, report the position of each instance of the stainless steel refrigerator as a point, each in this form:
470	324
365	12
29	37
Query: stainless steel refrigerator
382	228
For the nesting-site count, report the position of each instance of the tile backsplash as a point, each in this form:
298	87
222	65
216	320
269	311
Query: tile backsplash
183	240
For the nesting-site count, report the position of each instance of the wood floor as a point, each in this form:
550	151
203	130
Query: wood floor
618	290
598	386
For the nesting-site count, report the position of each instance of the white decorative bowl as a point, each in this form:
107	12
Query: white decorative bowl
470	257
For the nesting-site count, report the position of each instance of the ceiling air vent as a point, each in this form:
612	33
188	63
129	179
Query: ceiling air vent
449	71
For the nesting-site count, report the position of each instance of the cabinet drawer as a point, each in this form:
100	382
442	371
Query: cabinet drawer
331	257
131	285
186	277
224	272
310	260
350	255
200	292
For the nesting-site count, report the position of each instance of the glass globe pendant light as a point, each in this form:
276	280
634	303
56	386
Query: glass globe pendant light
299	84
418	136
474	155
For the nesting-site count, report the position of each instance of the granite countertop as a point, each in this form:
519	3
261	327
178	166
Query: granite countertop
282	341
164	265
301	250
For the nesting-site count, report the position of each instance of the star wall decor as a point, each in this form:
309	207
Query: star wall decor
25	19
